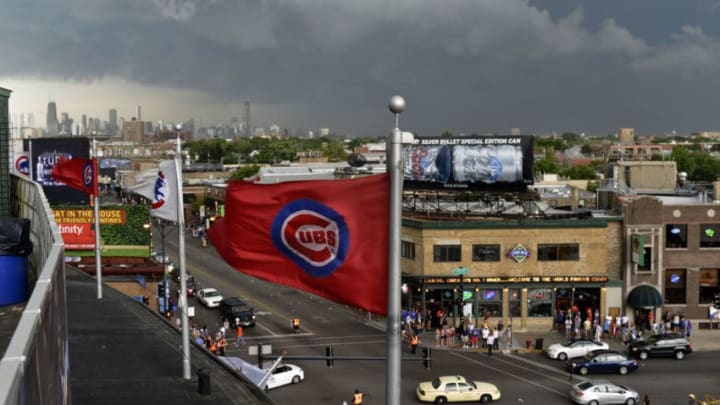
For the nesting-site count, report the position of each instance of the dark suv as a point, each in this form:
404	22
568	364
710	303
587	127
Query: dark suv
237	312
660	346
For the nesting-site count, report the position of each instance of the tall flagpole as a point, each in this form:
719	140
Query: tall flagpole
96	199
183	272
394	168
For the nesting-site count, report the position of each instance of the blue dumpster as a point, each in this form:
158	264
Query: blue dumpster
15	246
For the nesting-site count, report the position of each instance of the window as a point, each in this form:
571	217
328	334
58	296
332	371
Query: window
708	280
675	286
566	251
464	386
675	236
647	259
540	302
407	250
514	300
709	235
486	253
490	302
446	253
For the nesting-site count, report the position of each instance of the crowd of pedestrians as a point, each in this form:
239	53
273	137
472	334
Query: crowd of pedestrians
217	342
588	325
466	333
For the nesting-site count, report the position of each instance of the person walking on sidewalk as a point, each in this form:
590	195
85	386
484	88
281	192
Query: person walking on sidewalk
568	327
490	344
239	340
357	398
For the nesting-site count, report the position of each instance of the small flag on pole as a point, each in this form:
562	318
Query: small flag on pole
162	191
78	173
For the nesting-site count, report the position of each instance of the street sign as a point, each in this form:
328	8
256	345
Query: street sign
460	271
253	350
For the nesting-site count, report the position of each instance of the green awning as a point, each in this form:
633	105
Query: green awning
644	296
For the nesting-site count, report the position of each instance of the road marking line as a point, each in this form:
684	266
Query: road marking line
563	394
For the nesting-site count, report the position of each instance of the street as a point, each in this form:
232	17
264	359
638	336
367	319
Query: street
526	377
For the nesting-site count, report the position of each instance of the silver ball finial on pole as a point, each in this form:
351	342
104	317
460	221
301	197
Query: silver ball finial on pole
397	104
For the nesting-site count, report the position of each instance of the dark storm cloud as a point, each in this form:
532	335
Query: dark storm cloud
464	65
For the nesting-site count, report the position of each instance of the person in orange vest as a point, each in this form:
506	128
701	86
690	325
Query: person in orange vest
213	346
221	346
240	339
414	341
357	398
296	324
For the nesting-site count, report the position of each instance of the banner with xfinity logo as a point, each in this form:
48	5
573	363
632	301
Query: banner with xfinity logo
493	162
77	225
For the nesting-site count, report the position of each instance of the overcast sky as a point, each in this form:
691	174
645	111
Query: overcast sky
468	66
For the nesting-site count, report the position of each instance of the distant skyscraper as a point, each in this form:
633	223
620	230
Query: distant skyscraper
66	124
31	120
52	121
248	123
138	112
113	122
84	125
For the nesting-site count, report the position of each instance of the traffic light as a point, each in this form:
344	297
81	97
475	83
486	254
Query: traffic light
427	357
329	356
161	289
716	301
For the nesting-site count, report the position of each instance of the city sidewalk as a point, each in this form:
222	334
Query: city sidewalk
524	341
700	339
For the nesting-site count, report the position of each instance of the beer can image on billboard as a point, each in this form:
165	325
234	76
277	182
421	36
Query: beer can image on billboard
487	164
427	163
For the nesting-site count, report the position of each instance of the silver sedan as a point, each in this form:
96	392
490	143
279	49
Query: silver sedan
601	392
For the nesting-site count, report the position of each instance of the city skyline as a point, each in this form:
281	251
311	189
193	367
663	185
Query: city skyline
462	65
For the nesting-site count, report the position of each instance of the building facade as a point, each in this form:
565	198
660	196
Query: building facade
519	271
674	257
132	131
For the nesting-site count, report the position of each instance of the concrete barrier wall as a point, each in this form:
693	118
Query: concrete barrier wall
35	367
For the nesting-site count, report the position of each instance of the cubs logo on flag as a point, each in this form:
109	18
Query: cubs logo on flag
160	186
327	237
160	191
312	235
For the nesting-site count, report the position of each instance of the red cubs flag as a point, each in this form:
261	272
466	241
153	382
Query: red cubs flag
78	173
327	237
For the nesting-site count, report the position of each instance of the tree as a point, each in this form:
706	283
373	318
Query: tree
243	172
592	185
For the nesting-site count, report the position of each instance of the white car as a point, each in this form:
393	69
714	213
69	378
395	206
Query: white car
285	374
574	348
455	388
210	297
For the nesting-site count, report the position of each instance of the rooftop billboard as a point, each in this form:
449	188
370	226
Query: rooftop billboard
44	155
497	162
